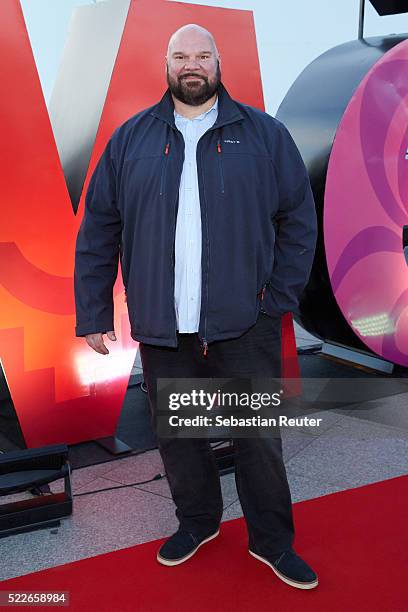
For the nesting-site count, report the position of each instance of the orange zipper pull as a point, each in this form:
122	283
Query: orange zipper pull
219	147
166	150
205	348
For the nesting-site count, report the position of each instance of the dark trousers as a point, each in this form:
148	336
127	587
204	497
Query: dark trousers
190	465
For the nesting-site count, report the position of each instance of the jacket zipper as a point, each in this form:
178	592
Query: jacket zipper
164	168
162	185
205	345
166	151
173	263
213	127
220	164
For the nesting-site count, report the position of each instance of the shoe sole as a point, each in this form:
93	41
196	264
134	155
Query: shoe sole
171	562
293	583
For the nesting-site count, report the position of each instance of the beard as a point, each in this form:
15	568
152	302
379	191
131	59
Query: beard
195	92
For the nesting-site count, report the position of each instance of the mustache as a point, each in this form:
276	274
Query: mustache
190	74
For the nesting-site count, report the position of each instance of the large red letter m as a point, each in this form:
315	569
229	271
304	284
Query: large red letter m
61	390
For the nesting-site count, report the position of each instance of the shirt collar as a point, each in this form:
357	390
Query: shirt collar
200	117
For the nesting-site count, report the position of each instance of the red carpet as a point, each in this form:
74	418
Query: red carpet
356	540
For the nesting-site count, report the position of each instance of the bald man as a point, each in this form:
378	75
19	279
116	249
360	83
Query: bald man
207	204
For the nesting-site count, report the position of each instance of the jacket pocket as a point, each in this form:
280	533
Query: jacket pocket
164	169
220	169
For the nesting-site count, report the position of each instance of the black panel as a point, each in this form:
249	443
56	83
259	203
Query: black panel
405	242
390	7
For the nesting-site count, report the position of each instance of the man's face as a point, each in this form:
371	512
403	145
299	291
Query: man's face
193	70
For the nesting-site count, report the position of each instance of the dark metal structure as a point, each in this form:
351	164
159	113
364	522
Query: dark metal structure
383	7
32	470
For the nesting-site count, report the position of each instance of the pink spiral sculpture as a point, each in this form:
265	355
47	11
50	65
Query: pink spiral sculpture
366	208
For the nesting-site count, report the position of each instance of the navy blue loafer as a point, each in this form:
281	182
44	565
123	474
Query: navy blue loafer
290	568
181	546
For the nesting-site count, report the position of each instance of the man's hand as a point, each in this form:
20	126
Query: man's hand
95	341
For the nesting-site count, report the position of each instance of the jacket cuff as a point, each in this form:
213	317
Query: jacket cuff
93	327
278	304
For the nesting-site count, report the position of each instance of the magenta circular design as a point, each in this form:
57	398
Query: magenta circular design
366	209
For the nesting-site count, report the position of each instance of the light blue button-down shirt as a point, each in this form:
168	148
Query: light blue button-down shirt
187	269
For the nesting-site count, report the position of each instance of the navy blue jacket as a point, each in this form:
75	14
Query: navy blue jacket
258	224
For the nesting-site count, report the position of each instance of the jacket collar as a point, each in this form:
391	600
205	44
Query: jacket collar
228	111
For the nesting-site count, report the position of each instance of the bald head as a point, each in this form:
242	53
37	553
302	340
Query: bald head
193	65
190	33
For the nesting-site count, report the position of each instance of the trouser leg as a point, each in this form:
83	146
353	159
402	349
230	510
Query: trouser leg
194	483
189	463
264	494
260	473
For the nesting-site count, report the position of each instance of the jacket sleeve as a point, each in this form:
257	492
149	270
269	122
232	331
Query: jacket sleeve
295	224
97	251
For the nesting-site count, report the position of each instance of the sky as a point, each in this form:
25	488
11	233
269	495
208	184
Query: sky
290	34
